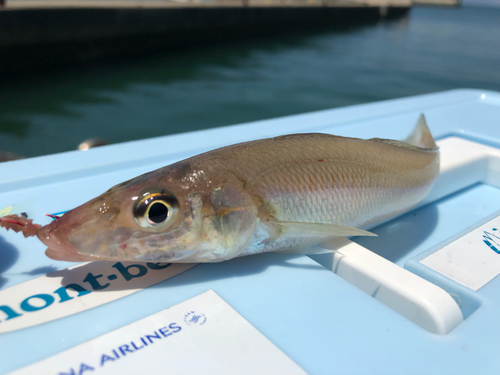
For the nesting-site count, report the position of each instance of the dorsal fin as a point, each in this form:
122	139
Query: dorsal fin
421	135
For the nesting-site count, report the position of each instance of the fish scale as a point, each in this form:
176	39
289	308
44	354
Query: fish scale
324	191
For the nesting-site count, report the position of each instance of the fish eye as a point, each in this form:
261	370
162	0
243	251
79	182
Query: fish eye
156	210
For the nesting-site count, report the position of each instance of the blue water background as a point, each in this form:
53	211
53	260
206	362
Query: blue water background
433	49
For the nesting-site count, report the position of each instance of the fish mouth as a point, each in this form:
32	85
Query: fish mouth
67	255
58	249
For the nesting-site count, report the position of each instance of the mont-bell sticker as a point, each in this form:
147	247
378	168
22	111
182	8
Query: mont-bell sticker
78	288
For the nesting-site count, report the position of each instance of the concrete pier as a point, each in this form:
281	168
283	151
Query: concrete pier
41	34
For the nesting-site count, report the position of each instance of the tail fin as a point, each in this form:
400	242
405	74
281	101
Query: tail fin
421	135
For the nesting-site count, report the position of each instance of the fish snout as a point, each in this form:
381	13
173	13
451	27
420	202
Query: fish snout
57	247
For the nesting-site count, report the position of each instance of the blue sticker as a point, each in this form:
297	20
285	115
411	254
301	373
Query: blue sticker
492	240
194	318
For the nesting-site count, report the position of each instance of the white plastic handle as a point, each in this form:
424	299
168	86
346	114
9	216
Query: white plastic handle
416	299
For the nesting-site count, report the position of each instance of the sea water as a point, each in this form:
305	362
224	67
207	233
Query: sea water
430	50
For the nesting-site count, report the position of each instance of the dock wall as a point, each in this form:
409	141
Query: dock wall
38	38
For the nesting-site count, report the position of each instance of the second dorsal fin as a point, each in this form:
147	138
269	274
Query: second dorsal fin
421	135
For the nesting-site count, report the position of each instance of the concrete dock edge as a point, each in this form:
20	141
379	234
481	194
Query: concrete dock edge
36	38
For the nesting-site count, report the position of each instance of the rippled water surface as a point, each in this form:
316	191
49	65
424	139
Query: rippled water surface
433	49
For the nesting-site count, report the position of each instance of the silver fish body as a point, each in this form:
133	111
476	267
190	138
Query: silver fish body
266	195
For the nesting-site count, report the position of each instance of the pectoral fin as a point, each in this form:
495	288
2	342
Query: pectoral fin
292	229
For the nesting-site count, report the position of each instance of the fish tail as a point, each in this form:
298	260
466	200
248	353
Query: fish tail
421	135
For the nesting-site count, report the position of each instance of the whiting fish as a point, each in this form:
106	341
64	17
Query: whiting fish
275	194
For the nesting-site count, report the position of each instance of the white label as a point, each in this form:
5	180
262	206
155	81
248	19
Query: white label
203	335
77	289
472	260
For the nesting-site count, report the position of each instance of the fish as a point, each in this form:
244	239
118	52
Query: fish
281	194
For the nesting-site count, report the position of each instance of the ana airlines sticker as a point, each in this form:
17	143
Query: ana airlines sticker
202	335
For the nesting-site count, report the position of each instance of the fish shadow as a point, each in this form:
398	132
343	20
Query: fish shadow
9	255
41	271
237	268
398	238
106	277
